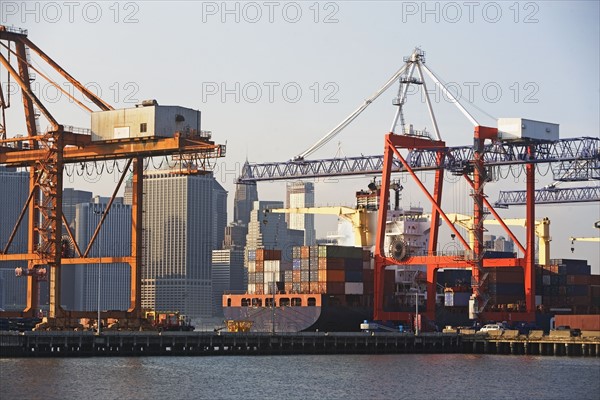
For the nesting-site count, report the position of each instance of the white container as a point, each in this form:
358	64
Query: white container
521	128
354	288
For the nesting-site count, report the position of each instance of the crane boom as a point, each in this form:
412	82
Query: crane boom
357	217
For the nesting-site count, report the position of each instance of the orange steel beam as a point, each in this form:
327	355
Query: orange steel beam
434	230
453	262
24	77
136	241
95	99
69	138
33	257
70	233
498	218
47	78
124	148
436	206
530	232
379	254
26	89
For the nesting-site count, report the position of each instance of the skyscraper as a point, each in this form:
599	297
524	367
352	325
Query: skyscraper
245	196
71	197
235	236
14	193
114	240
219	215
178	237
270	231
228	274
299	195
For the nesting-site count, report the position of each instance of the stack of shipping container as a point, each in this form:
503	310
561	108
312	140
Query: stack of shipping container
264	271
335	270
566	283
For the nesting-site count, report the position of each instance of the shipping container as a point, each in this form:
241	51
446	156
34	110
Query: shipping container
304	252
305	264
332	287
331	263
354	276
304	276
332	275
288	287
578	279
296	252
456	299
353	288
353	264
314	251
314	275
314	287
578	290
510	289
583	322
340	251
546	280
296	276
304	287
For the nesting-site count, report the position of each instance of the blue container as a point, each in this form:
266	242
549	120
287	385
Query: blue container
354	276
577	290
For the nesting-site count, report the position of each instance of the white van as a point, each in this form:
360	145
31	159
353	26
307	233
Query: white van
492	327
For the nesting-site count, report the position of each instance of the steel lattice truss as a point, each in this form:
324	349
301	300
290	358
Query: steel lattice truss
573	159
550	196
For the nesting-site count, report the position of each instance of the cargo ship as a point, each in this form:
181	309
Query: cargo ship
330	288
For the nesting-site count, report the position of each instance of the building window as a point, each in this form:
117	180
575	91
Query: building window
143	127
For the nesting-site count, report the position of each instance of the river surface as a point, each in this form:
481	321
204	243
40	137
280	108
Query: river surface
405	376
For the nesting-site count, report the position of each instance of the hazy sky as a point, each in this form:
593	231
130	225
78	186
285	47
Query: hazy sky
273	77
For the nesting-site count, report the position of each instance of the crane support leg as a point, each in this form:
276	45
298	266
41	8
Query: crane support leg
434	233
380	262
530	232
135	308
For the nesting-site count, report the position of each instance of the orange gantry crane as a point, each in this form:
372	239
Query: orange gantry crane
45	154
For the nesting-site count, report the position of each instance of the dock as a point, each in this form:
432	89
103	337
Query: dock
123	344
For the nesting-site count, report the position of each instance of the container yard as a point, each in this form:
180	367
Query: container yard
397	273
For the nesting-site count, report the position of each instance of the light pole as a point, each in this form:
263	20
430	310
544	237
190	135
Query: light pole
416	290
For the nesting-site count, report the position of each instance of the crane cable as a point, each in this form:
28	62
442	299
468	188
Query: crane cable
332	133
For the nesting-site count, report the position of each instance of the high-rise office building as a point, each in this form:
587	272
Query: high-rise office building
270	231
245	196
178	238
13	290
228	275
235	236
114	240
219	215
70	199
300	195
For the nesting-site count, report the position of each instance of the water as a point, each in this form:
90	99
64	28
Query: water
406	376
